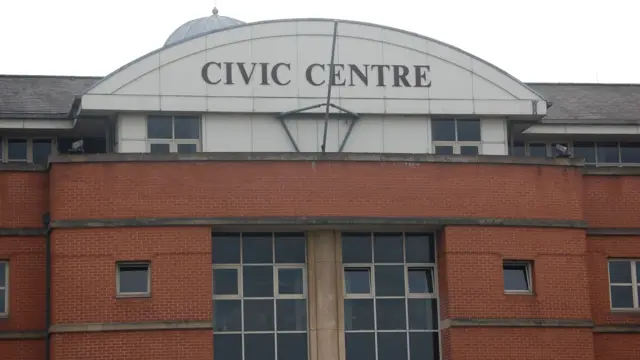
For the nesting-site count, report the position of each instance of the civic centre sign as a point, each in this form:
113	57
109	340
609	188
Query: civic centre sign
316	74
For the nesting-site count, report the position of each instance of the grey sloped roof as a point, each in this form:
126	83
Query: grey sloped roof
27	96
591	102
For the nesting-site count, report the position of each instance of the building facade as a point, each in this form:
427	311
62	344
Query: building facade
322	190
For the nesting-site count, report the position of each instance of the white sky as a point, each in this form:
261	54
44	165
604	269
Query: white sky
536	41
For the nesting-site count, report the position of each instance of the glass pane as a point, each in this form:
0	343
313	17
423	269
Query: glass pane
424	345
638	271
290	281
290	248
225	281
538	150
17	150
159	127
187	127
291	314
622	297
134	278
357	281
94	145
225	248
358	314
443	129
630	152
423	314
469	130
159	148
388	248
356	248
420	281
469	150
257	281
444	150
258	315
607	152
420	248
3	274
187	148
227	346
620	272
257	248
3	299
292	347
515	277
360	346
517	149
392	346
585	150
390	314
41	151
259	347
227	315
389	280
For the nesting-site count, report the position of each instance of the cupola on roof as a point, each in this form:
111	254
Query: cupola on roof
201	26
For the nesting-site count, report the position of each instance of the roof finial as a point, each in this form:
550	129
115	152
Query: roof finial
215	10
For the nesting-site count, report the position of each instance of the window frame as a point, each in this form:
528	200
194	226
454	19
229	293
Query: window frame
635	284
119	265
4	147
456	144
173	142
528	268
4	310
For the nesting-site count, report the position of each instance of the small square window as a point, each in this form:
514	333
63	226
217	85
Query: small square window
159	127
159	148
17	150
357	281
420	281
225	281
517	276
290	281
133	279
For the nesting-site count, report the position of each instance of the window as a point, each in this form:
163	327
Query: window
23	150
624	284
90	145
4	285
171	134
607	153
390	297
456	136
517	276
133	279
259	296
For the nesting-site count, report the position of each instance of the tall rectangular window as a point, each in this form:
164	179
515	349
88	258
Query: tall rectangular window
624	284
260	296
456	136
173	134
390	296
4	286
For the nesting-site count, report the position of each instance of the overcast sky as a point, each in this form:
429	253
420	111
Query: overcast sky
536	41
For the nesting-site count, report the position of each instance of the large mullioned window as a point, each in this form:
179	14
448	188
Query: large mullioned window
390	300
259	296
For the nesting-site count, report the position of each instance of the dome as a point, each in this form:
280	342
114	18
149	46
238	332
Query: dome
201	26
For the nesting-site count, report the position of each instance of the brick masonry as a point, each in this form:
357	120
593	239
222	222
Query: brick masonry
570	274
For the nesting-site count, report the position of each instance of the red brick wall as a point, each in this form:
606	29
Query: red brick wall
22	350
519	344
24	197
474	279
107	190
184	344
617	346
612	201
84	274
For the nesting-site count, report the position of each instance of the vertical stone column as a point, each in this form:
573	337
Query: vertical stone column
325	307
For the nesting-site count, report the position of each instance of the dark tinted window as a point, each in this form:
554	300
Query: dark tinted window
443	129
17	150
517	149
630	152
585	150
133	278
538	150
468	130
607	152
41	151
516	277
159	127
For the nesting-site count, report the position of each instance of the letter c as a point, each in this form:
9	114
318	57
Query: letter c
205	72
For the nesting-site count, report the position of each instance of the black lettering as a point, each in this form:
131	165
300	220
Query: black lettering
380	70
274	73
246	76
228	69
337	72
205	73
421	77
400	73
309	74
264	69
362	75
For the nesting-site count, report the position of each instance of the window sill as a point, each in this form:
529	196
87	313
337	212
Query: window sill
526	293
626	311
133	296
